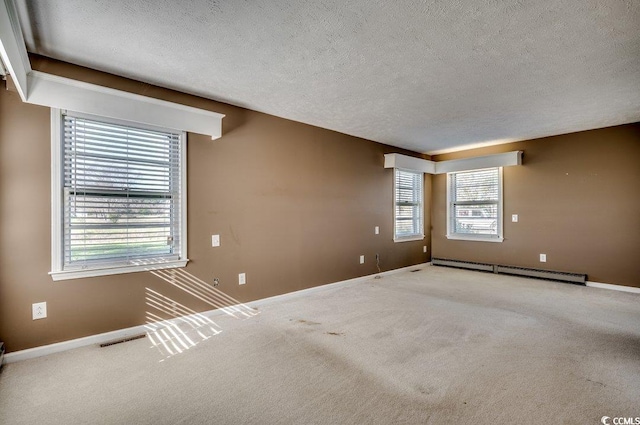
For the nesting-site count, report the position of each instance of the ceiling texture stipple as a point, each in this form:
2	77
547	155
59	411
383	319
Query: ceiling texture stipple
422	75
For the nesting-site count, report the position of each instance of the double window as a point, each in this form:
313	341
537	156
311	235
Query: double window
119	198
409	201
474	207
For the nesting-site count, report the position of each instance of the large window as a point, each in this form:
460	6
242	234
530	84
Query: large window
409	222
121	197
474	205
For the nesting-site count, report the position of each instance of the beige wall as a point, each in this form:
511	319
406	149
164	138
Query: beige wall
295	206
578	201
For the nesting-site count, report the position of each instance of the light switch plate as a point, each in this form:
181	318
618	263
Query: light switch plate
362	259
543	258
215	240
242	278
377	230
514	218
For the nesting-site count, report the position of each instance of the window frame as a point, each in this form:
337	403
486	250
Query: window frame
57	204
416	236
451	234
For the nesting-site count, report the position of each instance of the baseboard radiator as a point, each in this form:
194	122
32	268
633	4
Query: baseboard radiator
575	278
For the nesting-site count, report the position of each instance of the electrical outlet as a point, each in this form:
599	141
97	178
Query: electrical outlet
424	248
362	259
242	279
215	240
377	230
39	310
543	258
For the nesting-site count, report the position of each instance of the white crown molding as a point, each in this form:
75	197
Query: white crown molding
506	159
64	93
58	92
3	70
396	160
12	48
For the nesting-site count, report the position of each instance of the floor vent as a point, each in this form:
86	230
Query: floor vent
575	278
119	341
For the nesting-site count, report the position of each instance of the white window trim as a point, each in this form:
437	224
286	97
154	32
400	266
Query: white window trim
419	237
471	237
409	239
57	272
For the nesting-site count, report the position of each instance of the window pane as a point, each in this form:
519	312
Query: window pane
408	203
477	185
122	193
474	202
476	219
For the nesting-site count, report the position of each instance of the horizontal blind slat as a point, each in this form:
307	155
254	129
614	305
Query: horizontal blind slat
122	199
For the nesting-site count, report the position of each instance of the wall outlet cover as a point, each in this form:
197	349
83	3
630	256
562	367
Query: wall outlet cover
215	240
543	258
362	259
39	310
242	278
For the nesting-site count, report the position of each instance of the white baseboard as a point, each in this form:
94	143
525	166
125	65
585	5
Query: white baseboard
58	347
44	350
622	288
304	292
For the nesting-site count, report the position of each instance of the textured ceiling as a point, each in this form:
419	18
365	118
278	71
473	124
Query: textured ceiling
423	75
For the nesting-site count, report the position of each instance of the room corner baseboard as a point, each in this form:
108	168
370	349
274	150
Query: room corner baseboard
307	291
610	286
58	347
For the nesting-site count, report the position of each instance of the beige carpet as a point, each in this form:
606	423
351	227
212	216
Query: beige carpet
438	346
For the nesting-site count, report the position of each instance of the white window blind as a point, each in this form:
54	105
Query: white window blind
408	204
122	194
475	203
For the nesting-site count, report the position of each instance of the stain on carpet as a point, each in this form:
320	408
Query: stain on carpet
308	322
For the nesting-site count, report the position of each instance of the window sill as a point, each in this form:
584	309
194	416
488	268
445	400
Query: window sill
409	238
106	271
474	239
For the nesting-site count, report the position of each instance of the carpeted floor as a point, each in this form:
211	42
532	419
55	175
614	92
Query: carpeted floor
438	346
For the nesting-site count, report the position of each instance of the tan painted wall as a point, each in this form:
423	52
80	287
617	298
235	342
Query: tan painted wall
295	206
578	201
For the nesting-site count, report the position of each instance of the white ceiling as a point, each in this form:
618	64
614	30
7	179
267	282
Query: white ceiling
423	75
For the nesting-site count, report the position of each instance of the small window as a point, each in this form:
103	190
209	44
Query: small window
409	223
121	197
474	205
